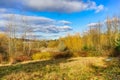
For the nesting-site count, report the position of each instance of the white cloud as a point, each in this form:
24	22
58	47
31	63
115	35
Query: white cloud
99	8
94	24
52	29
34	19
63	6
55	5
114	19
64	22
33	23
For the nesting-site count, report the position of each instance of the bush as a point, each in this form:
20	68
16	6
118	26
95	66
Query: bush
65	54
73	42
80	53
35	50
22	58
96	53
4	56
42	55
117	48
53	44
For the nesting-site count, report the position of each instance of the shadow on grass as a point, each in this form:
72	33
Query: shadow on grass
109	72
31	67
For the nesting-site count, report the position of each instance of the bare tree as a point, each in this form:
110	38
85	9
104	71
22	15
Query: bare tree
109	31
26	31
11	32
115	24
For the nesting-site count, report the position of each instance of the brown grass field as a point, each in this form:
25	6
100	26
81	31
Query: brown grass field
81	68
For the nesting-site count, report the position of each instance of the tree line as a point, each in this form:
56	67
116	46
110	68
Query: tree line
102	39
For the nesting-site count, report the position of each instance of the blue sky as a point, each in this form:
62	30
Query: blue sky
50	19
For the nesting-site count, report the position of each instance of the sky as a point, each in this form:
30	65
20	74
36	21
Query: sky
51	19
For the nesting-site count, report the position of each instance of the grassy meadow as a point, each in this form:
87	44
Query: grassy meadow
81	68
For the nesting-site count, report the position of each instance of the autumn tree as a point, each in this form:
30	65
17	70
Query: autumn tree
3	47
74	42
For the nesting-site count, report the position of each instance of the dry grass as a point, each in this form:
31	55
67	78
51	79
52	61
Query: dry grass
81	68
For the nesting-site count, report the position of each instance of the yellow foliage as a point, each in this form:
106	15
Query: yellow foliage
53	44
43	55
73	42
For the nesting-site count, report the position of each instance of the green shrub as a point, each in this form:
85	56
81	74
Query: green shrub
85	48
42	55
117	48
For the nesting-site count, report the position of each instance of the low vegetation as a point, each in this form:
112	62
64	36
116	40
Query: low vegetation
82	68
43	55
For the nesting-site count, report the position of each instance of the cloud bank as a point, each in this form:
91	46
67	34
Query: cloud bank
63	6
34	23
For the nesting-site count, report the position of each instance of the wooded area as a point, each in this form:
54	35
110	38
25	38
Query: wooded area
102	39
